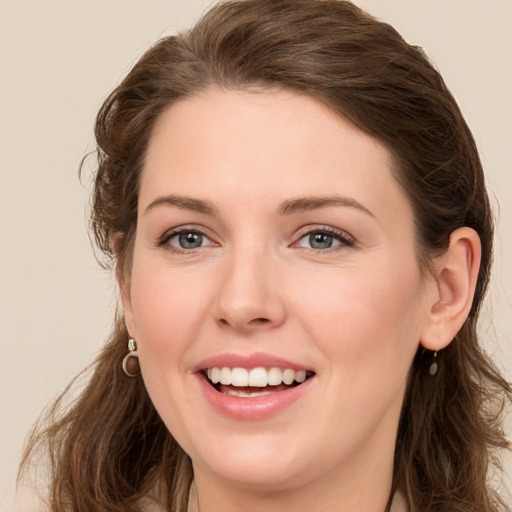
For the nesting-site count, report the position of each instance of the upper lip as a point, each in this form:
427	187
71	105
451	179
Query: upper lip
247	361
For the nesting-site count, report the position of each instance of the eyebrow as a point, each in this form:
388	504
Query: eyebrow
184	203
288	207
302	204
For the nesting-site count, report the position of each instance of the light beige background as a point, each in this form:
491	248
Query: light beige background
58	60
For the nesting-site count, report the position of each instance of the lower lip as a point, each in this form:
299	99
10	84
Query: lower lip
256	408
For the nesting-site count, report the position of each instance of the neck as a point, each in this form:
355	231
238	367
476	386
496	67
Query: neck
395	503
367	490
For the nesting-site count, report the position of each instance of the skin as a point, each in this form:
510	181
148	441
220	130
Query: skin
355	313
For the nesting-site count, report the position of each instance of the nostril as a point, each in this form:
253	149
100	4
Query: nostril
254	324
259	321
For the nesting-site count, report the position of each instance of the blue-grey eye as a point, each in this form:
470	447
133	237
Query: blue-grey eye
188	240
319	240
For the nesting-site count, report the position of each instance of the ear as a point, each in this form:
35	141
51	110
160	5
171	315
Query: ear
455	276
123	282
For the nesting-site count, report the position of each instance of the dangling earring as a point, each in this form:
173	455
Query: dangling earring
434	366
131	364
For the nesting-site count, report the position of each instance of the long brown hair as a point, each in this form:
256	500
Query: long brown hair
109	447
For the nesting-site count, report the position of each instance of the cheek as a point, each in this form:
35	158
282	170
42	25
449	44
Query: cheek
367	321
169	310
169	313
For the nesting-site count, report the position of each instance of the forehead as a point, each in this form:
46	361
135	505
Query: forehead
238	145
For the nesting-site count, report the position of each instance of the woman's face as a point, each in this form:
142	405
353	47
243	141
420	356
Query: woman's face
273	241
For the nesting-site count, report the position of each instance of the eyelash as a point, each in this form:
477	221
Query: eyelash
344	239
164	240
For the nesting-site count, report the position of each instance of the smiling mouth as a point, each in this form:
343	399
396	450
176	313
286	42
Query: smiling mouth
253	382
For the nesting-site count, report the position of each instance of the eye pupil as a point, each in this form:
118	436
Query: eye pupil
190	240
320	240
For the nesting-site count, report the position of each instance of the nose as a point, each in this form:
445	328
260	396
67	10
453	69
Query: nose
250	297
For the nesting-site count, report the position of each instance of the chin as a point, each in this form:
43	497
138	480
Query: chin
263	462
265	473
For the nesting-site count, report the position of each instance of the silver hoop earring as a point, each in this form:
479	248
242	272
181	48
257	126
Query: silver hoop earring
131	364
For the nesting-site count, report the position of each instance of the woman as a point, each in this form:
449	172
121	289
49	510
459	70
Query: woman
296	213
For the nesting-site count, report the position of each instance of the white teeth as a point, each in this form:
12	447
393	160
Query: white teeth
274	376
225	376
239	377
288	376
300	376
215	375
256	377
246	394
